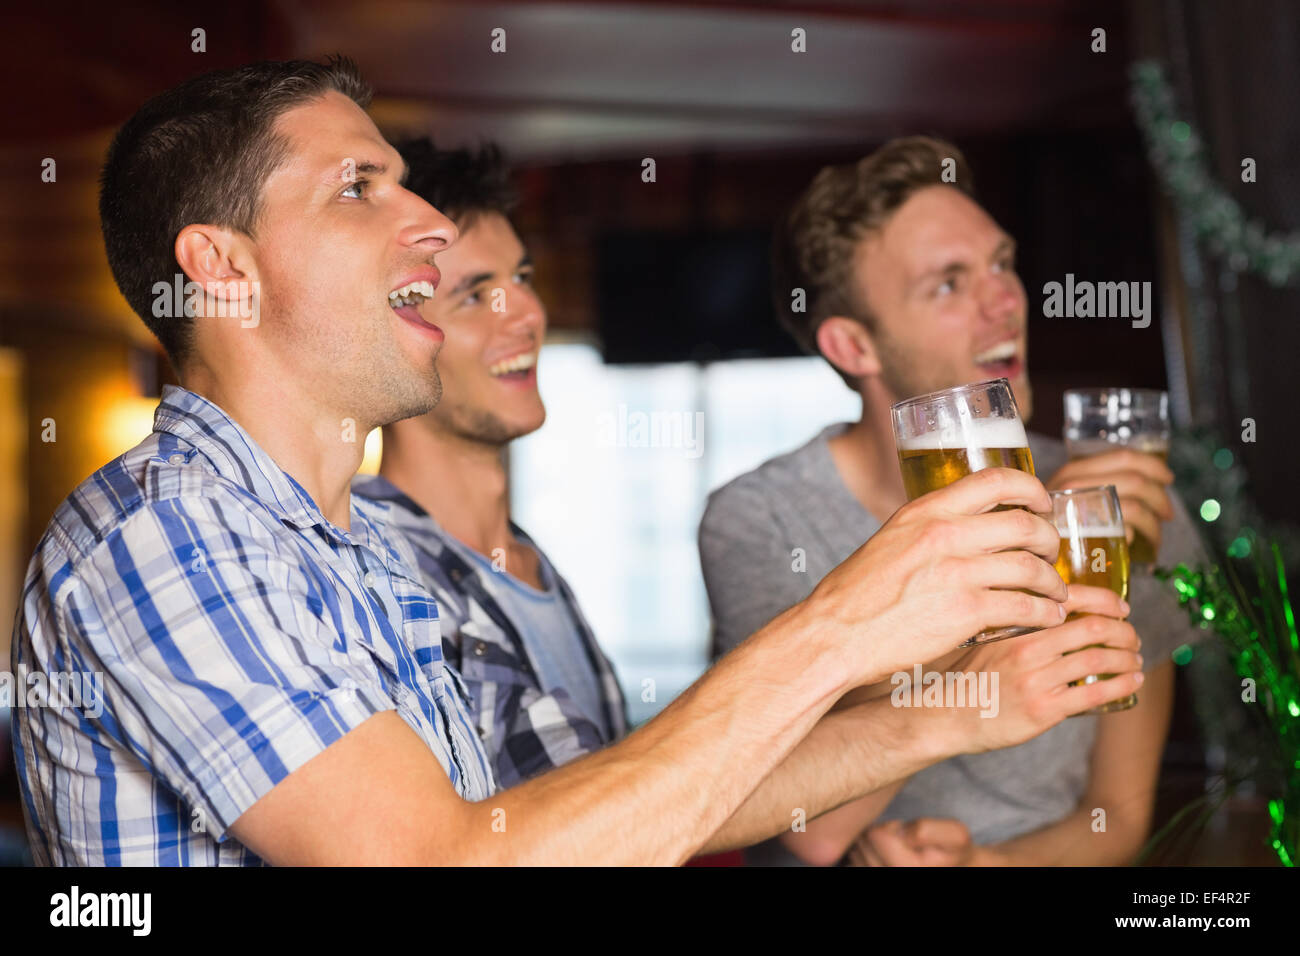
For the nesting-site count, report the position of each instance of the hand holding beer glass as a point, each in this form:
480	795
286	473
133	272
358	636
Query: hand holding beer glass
946	435
1103	420
1093	552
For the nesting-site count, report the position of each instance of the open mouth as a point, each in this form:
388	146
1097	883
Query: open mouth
1001	361
406	302
517	368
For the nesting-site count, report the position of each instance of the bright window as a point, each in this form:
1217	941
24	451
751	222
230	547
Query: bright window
613	487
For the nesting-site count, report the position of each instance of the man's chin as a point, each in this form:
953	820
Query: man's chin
523	427
419	398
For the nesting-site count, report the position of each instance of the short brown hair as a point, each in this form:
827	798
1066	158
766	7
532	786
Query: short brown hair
200	152
813	246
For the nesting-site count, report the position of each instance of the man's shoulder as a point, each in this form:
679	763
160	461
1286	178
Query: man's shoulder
135	493
774	480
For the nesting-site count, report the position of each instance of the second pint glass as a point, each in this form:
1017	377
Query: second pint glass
1093	552
1098	420
946	435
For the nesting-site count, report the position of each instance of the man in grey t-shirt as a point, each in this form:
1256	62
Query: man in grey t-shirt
910	287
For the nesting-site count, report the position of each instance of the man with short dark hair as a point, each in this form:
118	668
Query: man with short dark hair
274	689
910	288
541	691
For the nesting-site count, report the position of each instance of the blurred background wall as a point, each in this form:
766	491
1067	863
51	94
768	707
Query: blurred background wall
657	291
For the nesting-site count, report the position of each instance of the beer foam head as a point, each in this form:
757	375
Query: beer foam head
1074	526
970	433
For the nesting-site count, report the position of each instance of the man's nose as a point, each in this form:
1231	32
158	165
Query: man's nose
1001	294
430	228
524	308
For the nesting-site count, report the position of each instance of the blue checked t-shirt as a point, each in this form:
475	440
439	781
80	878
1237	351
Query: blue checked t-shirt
530	717
235	632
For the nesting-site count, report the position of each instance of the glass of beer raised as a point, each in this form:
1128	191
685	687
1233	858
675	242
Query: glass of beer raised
1099	420
1093	552
946	435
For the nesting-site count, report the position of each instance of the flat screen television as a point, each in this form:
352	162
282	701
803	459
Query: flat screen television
695	296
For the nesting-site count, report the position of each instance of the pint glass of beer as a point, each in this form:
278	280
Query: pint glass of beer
1099	420
1093	552
944	436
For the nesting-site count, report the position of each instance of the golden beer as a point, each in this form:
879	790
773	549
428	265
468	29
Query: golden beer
1141	551
1093	552
944	436
1097	560
928	469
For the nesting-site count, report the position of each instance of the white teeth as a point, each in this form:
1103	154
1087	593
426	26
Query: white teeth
411	294
998	353
516	364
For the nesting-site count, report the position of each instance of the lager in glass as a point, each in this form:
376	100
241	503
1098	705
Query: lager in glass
1093	552
946	435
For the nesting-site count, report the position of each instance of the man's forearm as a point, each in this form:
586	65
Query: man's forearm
1071	841
829	837
658	795
849	753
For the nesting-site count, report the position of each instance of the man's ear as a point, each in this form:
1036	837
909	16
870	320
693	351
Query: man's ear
221	262
848	346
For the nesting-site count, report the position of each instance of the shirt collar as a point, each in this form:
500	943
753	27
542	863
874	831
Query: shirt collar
233	454
402	511
379	488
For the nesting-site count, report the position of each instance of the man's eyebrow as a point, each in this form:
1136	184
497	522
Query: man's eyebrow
368	168
470	281
956	267
947	269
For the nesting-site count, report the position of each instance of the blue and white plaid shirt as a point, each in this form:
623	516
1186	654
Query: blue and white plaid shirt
527	728
236	634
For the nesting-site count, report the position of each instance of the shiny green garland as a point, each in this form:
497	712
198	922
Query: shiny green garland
1178	156
1257	623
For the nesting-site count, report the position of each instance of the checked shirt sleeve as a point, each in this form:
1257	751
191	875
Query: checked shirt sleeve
228	661
542	731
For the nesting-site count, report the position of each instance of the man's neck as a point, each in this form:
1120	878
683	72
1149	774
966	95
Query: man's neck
866	456
462	484
302	437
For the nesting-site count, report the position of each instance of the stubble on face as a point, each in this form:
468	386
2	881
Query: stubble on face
912	365
358	367
478	425
907	372
344	341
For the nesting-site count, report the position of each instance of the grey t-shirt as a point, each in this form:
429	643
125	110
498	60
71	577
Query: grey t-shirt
748	536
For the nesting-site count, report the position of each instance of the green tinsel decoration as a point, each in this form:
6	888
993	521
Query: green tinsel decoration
1177	154
1255	619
